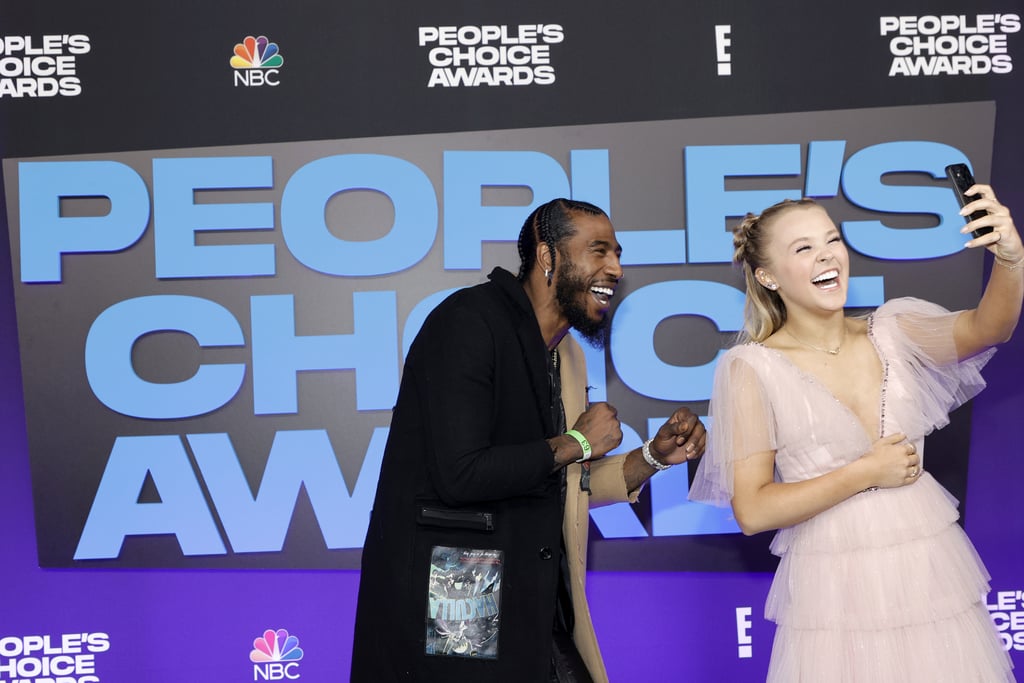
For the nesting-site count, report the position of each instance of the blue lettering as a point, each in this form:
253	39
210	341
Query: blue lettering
45	234
824	167
278	354
252	524
177	217
709	204
632	339
862	185
304	226
297	459
468	224
116	512
108	357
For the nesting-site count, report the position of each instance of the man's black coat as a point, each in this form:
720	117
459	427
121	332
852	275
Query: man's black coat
467	435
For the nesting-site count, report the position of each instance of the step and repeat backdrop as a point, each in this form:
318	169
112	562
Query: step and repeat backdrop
226	223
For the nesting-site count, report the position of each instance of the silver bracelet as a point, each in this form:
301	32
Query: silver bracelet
1016	265
646	450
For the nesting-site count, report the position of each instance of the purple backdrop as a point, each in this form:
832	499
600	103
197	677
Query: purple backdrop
200	624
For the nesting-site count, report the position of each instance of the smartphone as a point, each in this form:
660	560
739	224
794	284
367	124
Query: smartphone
961	179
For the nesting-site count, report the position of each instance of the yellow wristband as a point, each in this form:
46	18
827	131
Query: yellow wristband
584	444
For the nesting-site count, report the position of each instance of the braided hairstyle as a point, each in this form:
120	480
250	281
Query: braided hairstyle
764	312
550	223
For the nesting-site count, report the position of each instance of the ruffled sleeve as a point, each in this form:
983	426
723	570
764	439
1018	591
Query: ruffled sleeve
926	379
742	423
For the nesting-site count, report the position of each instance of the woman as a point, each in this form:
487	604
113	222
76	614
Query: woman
819	424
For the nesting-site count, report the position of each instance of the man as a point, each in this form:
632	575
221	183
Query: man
474	565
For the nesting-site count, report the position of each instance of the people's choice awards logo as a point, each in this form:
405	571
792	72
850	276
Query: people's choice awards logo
950	45
472	56
44	66
256	62
275	656
63	658
1006	607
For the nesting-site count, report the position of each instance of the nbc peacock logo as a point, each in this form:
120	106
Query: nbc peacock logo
275	656
257	61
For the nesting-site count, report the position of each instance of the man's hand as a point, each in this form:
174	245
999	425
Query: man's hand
681	438
599	425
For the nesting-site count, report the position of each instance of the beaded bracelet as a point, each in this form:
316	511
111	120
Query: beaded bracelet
646	450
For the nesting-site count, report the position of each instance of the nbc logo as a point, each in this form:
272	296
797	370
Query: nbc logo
256	62
275	656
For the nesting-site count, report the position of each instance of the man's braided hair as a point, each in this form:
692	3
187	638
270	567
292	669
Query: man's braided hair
550	223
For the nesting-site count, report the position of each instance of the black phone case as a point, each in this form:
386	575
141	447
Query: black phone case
961	179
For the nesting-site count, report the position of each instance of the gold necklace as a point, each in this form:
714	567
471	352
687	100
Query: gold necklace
831	352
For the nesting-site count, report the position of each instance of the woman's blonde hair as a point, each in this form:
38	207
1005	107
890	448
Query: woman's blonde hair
764	312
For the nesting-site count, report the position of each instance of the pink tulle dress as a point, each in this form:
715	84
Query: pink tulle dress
885	586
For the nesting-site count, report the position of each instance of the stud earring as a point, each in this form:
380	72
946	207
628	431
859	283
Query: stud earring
773	286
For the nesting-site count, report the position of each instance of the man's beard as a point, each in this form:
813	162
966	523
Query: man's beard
570	291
